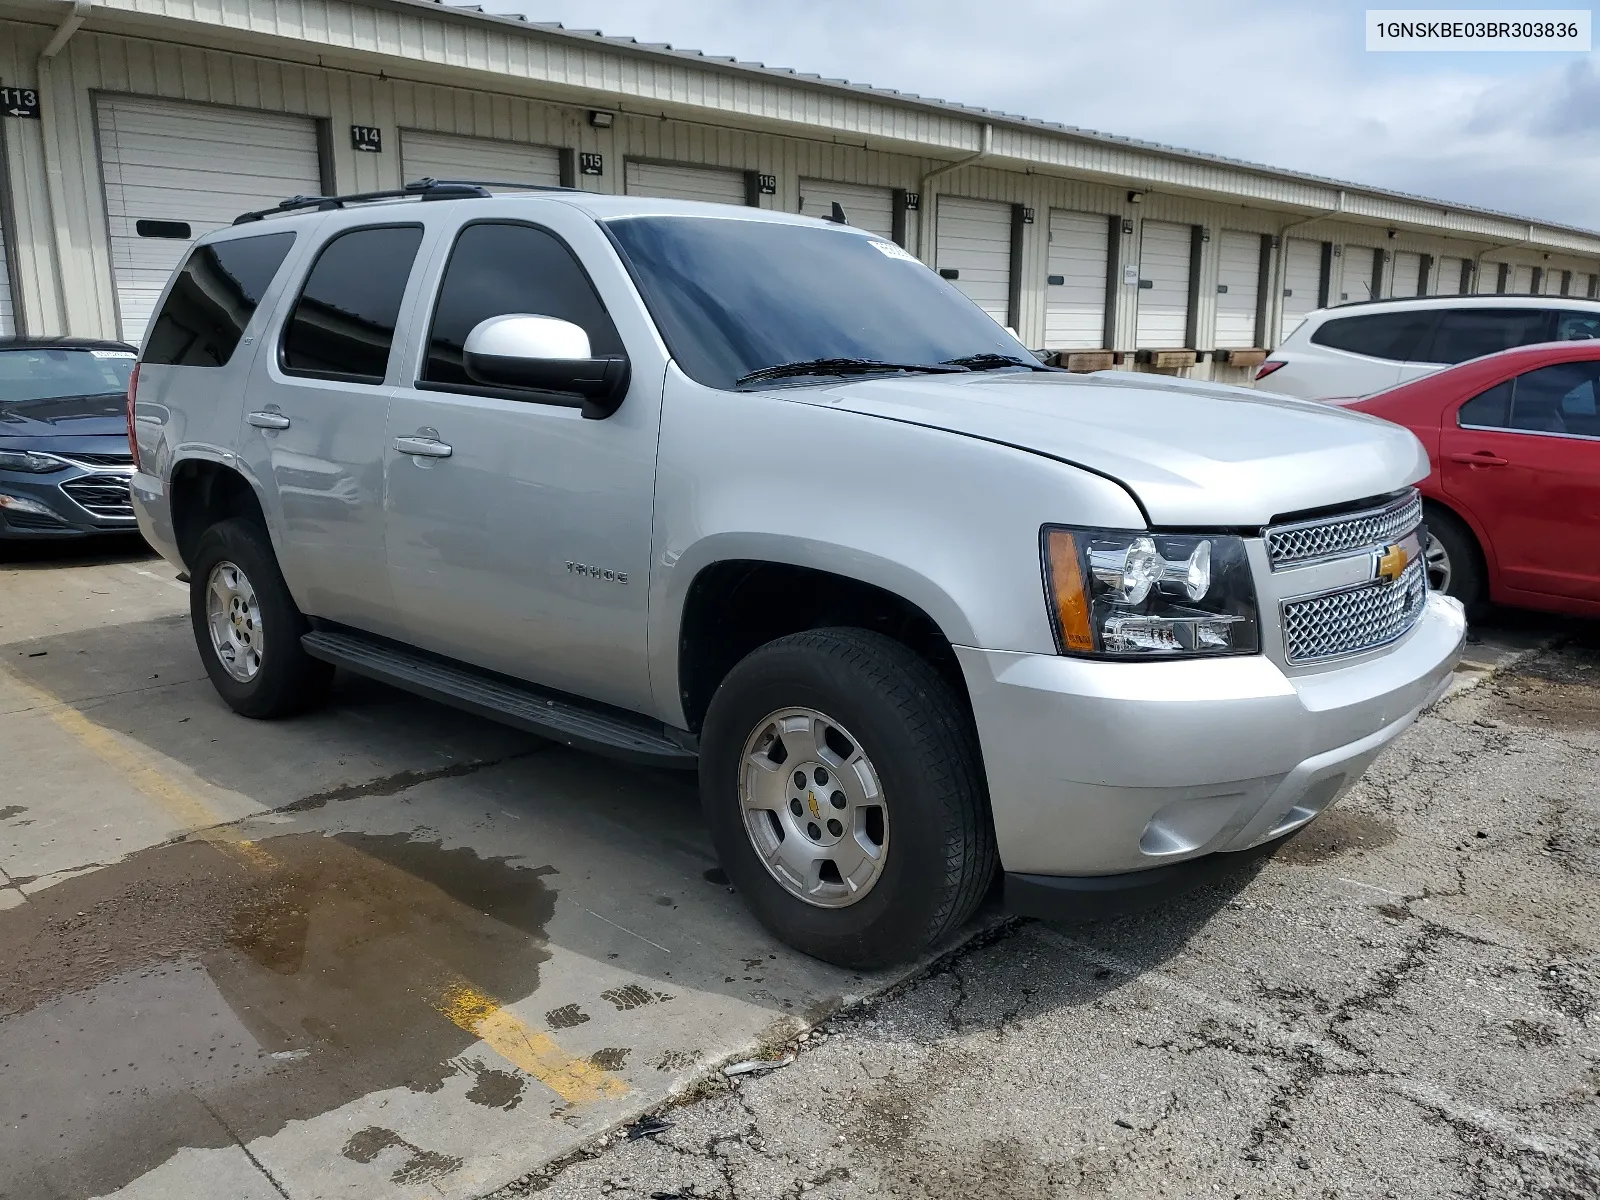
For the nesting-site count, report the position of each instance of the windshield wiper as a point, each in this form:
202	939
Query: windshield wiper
844	366
993	362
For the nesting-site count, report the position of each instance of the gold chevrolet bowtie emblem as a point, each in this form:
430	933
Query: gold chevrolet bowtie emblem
1392	562
816	809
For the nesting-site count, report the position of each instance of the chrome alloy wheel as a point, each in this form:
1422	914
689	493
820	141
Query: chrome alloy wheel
813	807
1437	560
233	615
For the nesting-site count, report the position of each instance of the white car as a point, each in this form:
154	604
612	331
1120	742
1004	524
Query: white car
1358	349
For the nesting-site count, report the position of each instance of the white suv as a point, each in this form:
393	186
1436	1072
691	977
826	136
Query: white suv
1358	349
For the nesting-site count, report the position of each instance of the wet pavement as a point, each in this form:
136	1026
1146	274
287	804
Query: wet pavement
383	949
387	949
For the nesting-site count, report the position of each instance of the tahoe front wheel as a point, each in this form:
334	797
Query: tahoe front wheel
843	788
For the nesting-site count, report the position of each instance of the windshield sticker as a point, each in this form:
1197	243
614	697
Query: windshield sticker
113	354
890	250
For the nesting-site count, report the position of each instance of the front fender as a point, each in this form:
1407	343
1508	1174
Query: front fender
945	521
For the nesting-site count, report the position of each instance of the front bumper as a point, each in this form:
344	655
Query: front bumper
1103	768
78	501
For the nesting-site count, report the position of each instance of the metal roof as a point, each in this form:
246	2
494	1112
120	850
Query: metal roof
667	51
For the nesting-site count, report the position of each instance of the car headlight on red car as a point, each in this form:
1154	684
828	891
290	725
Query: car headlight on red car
1131	594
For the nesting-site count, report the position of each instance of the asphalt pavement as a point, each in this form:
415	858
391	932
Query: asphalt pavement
390	950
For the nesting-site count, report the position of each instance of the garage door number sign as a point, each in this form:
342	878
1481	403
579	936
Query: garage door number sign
368	138
19	102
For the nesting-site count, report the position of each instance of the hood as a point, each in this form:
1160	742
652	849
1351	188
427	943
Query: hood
70	416
1193	454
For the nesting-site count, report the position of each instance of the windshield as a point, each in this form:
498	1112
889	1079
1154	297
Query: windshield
732	297
45	372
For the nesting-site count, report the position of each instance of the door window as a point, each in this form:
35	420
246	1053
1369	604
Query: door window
1465	333
342	327
1488	410
498	268
1393	335
1558	399
213	299
1576	326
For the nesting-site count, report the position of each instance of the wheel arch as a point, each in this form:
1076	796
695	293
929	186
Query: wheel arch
734	602
202	492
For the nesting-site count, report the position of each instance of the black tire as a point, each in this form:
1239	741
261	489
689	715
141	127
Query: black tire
1467	577
289	680
941	854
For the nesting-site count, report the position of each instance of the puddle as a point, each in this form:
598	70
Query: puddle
183	998
1337	831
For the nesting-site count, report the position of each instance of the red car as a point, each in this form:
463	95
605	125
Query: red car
1513	500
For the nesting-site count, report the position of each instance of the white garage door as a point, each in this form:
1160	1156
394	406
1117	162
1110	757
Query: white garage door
174	171
1238	286
1362	280
425	155
870	208
1583	285
1407	273
713	184
1521	281
1446	279
974	242
1488	278
1302	282
1075	296
8	313
1164	266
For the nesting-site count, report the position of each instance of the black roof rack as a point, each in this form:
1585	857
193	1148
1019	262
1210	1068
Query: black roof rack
421	189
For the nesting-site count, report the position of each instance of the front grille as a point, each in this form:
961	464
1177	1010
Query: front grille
1344	533
1354	620
97	460
102	495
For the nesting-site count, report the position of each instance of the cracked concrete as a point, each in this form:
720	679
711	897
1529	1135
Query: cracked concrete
1405	1002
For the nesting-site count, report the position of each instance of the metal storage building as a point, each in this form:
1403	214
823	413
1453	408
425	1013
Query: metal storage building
128	127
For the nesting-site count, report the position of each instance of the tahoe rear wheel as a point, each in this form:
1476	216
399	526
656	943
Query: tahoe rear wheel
247	627
842	785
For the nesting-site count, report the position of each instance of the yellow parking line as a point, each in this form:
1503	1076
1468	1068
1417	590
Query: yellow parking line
575	1080
178	802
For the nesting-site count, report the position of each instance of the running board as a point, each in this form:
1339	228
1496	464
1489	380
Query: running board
548	714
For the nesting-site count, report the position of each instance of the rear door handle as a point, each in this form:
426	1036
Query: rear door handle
268	420
424	447
1483	458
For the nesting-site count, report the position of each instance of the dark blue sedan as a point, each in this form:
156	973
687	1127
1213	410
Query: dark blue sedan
64	457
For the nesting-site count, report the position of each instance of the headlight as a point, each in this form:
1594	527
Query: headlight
27	460
1127	594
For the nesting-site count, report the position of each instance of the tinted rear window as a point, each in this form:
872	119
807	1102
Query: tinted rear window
343	324
1465	333
1488	410
1393	335
213	299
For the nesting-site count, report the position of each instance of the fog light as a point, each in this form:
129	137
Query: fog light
23	504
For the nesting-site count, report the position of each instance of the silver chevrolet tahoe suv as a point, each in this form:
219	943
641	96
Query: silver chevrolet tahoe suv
730	490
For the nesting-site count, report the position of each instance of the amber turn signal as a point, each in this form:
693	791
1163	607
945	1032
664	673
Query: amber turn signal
1069	599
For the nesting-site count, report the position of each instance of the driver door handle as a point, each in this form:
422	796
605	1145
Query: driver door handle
1481	458
423	447
268	420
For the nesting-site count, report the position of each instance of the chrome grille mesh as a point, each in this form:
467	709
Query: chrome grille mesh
1330	537
1354	620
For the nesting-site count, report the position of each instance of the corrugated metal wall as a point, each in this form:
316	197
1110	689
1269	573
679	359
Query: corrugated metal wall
77	254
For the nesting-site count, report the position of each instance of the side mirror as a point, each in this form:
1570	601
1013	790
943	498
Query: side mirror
547	354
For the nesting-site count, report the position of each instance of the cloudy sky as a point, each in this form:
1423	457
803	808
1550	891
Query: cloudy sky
1285	82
